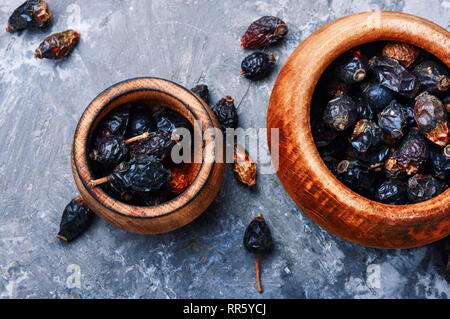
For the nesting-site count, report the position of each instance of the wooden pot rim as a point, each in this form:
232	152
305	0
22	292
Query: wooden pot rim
194	104
296	141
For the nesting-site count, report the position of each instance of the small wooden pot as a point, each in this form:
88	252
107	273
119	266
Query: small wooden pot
301	170
178	211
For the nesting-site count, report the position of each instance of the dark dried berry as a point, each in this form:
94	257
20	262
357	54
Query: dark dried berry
413	152
392	192
352	70
322	133
257	65
140	122
158	144
392	169
168	120
364	109
116	122
243	166
264	32
431	118
57	45
226	113
369	142
393	119
202	91
341	113
110	151
422	188
431	77
355	175
378	97
405	53
440	161
75	220
32	14
392	75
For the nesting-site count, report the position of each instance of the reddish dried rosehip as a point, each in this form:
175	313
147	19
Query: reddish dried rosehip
57	45
32	14
393	119
264	32
413	152
341	113
431	118
75	220
257	65
378	97
226	113
244	167
179	182
431	77
405	53
352	70
422	188
369	142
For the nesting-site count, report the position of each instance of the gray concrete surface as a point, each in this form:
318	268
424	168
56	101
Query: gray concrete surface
190	41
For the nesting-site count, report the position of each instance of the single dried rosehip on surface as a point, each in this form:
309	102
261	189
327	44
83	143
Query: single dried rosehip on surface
257	240
355	175
422	188
341	113
202	91
226	113
405	53
431	118
378	97
32	14
244	167
393	119
369	142
179	182
57	45
431	77
352	70
264	32
392	191
413	152
75	220
257	65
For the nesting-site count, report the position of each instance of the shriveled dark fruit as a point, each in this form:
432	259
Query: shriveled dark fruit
369	142
413	152
431	77
422	188
168	120
257	236
75	219
116	122
323	134
405	53
392	169
158	144
202	91
264	32
392	191
341	113
392	75
110	151
32	14
356	176
393	119
364	109
58	45
440	161
431	118
257	65
243	166
140	121
352	69
226	113
377	96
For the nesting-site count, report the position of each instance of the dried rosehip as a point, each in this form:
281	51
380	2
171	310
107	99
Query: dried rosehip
392	192
257	65
405	53
75	220
440	161
244	167
180	181
257	240
364	109
355	175
431	118
57	45
168	120
393	119
32	14
226	113
378	97
116	122
264	32
110	151
352	70
341	113
202	91
422	188
431	77
158	144
392	75
140	122
392	169
369	142
322	133
413	152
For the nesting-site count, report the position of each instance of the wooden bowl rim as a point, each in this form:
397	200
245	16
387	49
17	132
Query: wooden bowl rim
97	114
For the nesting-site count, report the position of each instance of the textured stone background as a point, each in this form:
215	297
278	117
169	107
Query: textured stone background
188	41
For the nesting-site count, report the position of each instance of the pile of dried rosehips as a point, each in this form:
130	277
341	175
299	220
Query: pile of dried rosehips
382	126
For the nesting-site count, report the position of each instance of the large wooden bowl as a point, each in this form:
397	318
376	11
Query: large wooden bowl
182	209
301	170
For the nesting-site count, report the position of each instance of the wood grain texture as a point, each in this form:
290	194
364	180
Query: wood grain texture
302	172
172	214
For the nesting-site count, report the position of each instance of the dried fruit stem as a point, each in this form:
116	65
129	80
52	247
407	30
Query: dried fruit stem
137	138
100	181
257	273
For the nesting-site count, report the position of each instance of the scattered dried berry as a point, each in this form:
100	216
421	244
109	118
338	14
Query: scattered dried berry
202	91
431	77
392	192
244	167
352	69
264	32
32	14
393	119
75	220
57	45
226	113
422	188
413	152
257	65
369	142
405	53
378	97
431	118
